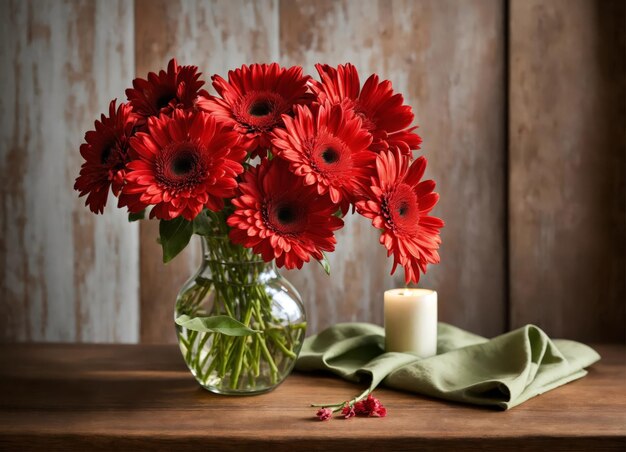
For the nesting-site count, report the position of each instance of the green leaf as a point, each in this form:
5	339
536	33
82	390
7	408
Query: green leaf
325	264
222	324
174	235
202	224
137	216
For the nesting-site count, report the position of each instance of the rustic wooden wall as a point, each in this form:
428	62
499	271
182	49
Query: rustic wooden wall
65	274
542	195
567	151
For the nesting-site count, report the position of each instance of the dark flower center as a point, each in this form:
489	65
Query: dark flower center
106	153
330	158
113	156
164	100
330	155
286	217
183	164
403	209
260	108
259	111
286	214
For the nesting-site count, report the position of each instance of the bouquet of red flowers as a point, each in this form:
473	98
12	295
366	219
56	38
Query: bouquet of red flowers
266	167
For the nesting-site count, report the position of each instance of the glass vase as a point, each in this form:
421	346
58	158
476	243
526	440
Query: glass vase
234	282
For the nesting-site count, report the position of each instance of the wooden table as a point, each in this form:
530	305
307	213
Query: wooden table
133	397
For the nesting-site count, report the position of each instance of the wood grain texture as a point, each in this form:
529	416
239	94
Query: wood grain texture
447	57
65	275
142	397
568	147
215	35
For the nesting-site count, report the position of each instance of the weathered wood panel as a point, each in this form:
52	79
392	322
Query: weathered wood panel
447	57
568	151
216	36
65	275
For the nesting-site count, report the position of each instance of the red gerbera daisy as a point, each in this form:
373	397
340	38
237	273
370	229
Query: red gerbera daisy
399	205
281	218
165	91
328	147
254	100
382	111
184	163
106	156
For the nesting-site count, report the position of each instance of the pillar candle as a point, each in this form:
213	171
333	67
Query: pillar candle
411	321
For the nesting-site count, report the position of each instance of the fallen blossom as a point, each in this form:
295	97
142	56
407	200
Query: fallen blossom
324	414
348	411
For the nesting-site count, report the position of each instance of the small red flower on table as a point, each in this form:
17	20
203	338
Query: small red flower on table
328	147
324	414
281	218
370	407
106	155
398	203
348	411
184	163
254	99
359	406
177	87
383	112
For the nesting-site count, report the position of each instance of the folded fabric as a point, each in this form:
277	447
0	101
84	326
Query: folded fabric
500	372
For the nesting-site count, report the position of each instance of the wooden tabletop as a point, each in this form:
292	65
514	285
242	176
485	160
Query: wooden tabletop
133	397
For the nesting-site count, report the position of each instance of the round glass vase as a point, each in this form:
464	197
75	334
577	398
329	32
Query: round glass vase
234	282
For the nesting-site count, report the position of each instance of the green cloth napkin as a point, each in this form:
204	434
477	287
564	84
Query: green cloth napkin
501	372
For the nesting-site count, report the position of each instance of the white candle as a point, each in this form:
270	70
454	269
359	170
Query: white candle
411	321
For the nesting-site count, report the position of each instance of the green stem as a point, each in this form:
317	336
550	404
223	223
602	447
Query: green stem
234	379
282	347
203	341
192	338
256	357
340	406
268	357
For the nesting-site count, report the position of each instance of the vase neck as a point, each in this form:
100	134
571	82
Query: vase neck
218	250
